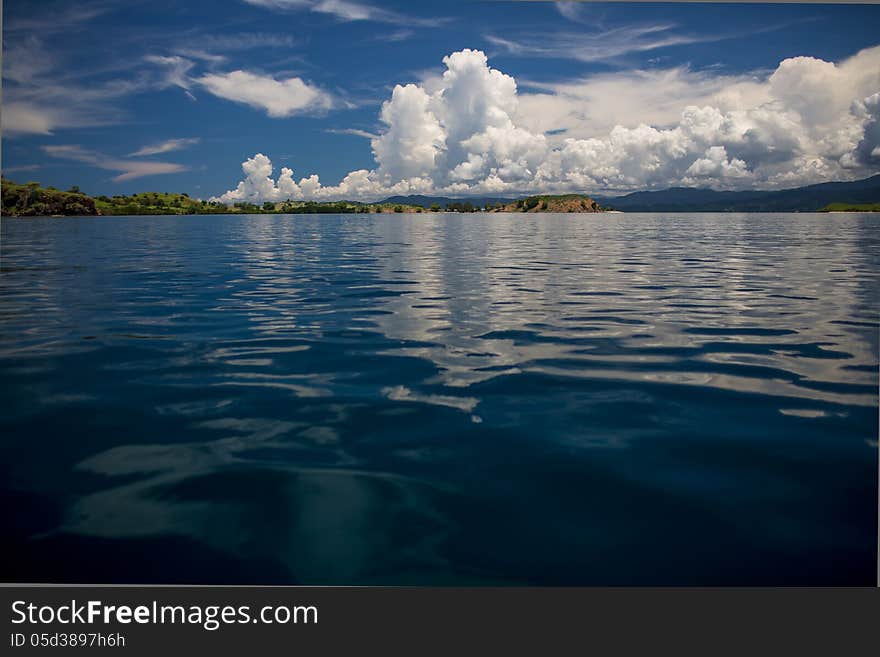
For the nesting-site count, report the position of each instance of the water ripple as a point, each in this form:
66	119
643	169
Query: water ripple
342	399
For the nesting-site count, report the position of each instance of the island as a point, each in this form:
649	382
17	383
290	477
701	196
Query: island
551	203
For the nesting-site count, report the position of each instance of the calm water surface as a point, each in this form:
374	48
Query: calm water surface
440	399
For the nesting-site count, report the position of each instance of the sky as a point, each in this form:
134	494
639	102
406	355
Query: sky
254	100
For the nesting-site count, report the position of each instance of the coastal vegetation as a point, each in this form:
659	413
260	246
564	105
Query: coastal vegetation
32	200
851	207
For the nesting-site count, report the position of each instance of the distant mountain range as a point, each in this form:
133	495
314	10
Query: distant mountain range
685	199
803	199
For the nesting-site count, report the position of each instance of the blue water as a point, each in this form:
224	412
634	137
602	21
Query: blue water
440	399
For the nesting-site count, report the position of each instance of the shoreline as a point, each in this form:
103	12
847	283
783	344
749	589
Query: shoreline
428	212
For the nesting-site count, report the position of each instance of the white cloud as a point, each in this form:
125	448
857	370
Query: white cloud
27	60
207	48
867	152
202	55
595	43
130	169
258	185
23	167
570	10
165	146
413	139
346	10
236	41
715	163
397	35
279	98
470	132
59	19
352	131
176	69
43	91
599	45
25	118
592	106
38	100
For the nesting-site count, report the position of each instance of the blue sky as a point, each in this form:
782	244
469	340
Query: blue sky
122	96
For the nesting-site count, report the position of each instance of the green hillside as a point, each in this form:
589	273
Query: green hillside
851	207
32	200
155	203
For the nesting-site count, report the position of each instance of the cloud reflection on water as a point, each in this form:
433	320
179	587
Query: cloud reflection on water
330	388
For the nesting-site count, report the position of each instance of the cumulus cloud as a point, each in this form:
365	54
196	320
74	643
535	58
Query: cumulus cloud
258	185
868	150
592	106
129	169
279	98
471	132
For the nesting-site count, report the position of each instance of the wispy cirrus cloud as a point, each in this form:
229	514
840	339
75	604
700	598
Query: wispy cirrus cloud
40	95
347	10
352	131
237	41
165	146
54	17
44	93
215	49
23	167
573	11
201	55
604	45
40	108
175	69
129	169
27	60
598	46
403	34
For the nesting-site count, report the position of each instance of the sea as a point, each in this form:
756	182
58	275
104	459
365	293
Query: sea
440	399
